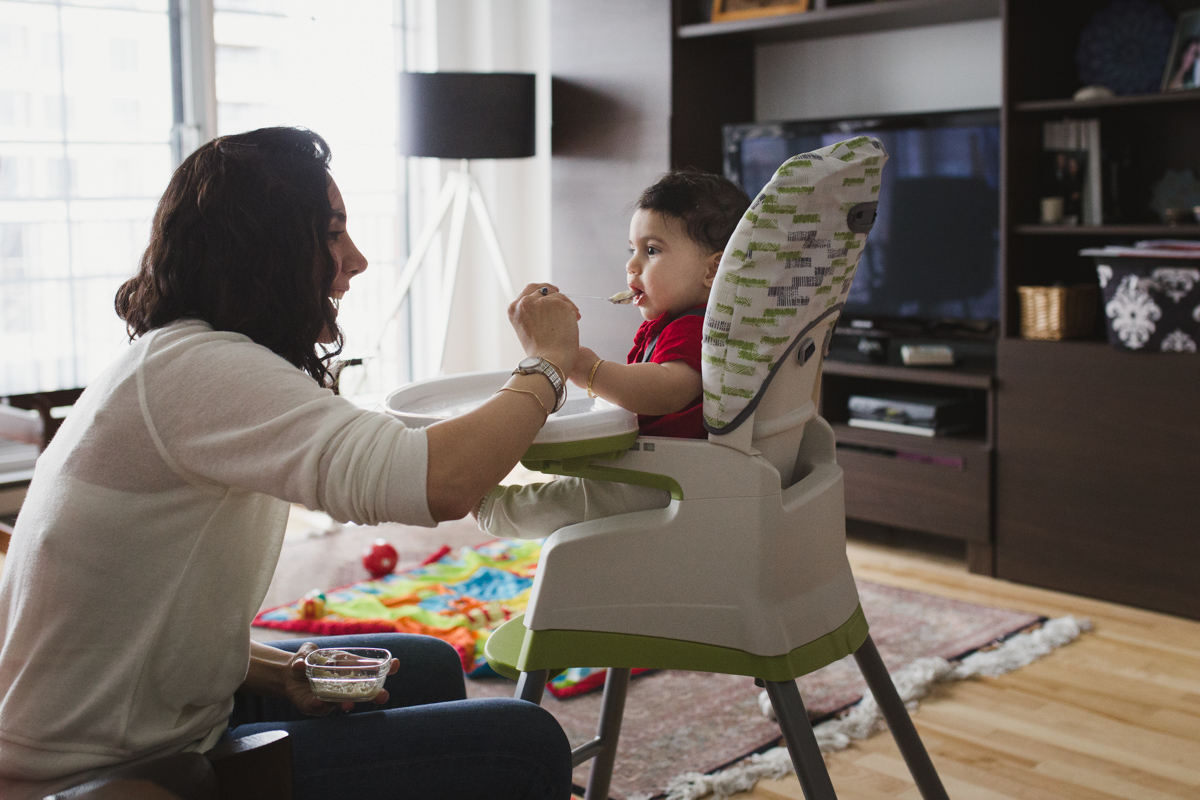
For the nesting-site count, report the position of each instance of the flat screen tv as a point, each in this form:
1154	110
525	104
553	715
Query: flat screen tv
931	264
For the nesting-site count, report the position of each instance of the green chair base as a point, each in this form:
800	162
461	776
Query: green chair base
513	649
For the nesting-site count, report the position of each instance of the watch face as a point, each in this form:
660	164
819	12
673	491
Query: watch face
529	363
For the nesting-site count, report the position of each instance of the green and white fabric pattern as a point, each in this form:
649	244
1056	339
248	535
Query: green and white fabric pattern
788	265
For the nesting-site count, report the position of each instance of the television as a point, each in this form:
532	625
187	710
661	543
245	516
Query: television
931	264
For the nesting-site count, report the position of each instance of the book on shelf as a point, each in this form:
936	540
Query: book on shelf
900	427
913	414
1076	169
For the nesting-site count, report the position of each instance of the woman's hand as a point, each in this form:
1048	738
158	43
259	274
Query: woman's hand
471	453
547	324
297	690
278	673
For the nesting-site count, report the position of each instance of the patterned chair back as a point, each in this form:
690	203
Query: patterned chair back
779	290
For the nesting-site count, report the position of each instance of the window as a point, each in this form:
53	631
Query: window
85	121
85	153
331	67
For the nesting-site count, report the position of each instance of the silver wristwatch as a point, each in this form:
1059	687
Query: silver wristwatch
534	364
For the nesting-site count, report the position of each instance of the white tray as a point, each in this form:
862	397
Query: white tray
581	417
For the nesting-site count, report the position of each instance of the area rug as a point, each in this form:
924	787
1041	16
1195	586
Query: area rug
684	733
691	722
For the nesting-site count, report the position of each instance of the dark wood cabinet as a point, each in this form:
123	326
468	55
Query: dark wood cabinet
1098	450
1098	473
940	485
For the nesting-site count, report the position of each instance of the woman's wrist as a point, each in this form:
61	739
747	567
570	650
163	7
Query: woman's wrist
268	670
559	361
539	385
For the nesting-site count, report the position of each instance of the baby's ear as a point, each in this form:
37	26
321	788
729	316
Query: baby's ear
710	274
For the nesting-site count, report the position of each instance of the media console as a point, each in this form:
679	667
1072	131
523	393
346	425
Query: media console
935	484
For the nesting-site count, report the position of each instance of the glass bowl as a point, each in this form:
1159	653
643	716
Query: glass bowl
341	674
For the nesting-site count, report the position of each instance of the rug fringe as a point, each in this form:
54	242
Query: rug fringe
863	719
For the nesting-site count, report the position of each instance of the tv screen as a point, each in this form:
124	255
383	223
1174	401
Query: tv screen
932	258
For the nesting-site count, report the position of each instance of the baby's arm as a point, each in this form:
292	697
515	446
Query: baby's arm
648	388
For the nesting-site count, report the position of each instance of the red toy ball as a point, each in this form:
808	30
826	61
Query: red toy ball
379	558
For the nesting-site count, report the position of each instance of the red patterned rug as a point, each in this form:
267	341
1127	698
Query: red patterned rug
675	722
678	722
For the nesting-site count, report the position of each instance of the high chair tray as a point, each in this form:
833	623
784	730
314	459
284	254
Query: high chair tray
584	426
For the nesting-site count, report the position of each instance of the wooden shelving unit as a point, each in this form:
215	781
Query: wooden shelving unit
838	19
955	446
1069	106
1093	443
1083	479
887	480
1113	231
970	379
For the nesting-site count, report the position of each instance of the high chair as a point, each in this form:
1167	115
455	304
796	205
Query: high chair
745	571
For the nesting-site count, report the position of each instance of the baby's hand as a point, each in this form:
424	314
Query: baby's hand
584	359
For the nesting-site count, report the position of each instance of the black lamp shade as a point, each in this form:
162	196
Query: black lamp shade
467	114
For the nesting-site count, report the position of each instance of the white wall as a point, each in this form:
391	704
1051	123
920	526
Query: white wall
934	68
612	140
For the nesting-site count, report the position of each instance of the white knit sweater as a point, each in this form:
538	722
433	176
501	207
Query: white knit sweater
149	537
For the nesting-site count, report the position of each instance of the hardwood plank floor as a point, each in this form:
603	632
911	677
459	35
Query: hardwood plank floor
1116	714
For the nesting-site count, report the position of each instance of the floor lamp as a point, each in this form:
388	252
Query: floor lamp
464	116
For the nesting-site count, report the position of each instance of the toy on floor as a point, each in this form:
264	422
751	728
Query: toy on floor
312	606
379	558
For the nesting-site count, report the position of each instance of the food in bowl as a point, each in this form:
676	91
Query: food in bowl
341	674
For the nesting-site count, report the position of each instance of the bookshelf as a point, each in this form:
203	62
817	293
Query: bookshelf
1093	444
1082	479
832	18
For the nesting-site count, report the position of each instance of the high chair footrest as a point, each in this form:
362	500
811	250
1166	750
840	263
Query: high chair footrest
513	649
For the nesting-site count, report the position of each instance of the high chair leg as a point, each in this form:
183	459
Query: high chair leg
900	724
531	685
608	731
801	742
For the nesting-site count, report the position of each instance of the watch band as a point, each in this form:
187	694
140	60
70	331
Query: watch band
545	367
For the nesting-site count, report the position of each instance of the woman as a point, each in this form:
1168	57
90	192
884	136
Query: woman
154	520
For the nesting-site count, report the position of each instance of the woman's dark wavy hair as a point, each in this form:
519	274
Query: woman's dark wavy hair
240	240
709	205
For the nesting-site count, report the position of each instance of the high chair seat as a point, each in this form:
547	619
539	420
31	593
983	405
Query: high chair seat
745	571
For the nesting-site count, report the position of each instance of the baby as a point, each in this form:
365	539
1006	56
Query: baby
676	239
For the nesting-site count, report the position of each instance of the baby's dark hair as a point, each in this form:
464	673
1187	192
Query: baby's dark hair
708	205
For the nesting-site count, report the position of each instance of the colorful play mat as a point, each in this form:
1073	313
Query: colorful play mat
457	597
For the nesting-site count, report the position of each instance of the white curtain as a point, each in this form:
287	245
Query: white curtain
480	36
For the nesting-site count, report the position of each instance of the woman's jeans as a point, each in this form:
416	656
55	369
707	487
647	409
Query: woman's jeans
428	741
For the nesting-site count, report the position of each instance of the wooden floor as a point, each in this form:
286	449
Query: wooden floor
1114	715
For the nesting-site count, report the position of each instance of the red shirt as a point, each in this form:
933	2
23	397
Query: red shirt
678	340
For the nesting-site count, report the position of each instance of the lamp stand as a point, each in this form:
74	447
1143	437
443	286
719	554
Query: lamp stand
459	190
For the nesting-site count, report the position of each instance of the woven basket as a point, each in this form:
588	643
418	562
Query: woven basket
1058	312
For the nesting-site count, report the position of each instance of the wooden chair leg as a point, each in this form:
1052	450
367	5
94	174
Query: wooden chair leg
901	725
801	741
255	767
121	790
186	776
